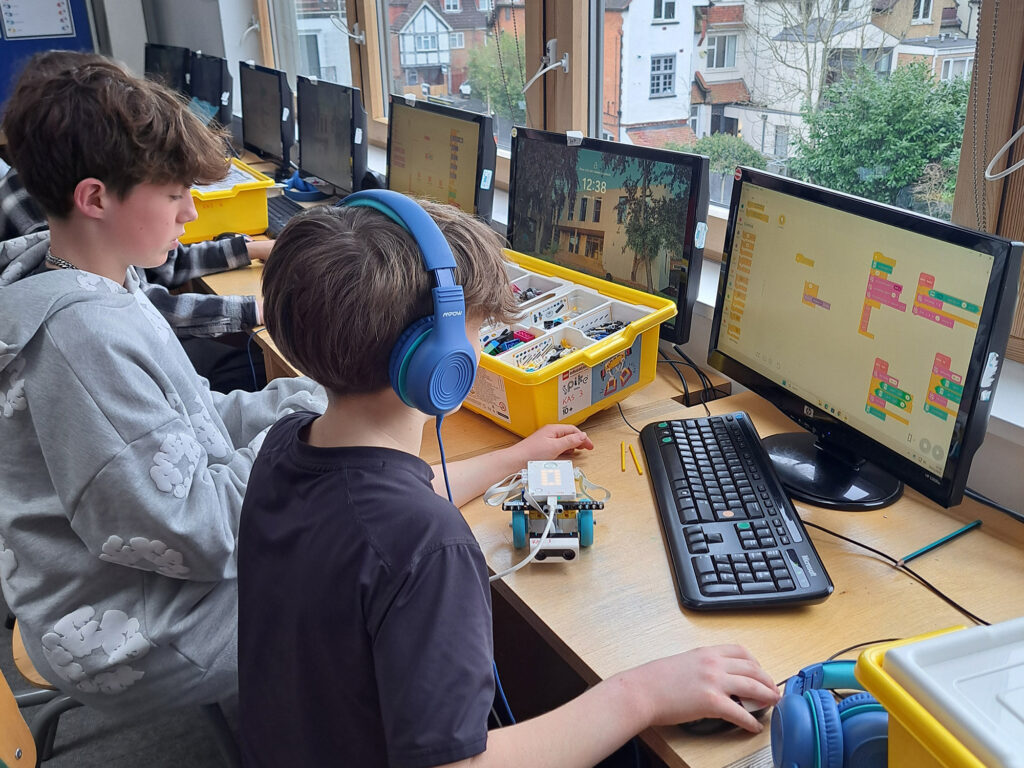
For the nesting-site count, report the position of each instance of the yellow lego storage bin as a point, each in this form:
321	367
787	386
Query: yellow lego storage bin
237	203
953	696
579	344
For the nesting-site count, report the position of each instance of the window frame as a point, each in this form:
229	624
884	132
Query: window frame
660	8
713	48
663	75
456	3
966	61
921	11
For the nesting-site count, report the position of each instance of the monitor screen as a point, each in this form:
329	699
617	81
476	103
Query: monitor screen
268	122
625	213
441	153
169	64
330	136
210	85
878	329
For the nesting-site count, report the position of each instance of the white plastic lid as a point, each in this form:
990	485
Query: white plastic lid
972	682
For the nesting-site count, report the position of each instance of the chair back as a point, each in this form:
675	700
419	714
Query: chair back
16	745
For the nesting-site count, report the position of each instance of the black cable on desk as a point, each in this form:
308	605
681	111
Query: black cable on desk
972	494
896	564
625	419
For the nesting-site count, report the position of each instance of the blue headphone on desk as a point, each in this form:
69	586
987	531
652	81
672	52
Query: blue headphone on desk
432	365
810	730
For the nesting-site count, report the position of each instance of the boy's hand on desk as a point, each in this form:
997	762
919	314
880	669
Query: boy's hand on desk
552	441
703	683
258	250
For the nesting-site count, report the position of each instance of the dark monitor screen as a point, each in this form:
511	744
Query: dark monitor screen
332	125
268	122
210	86
879	330
169	64
625	213
441	153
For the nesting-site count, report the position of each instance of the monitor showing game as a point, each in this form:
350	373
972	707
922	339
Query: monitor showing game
625	213
332	128
441	153
268	120
879	330
210	86
169	64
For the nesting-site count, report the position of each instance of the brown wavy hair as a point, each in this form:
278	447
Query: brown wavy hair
73	116
341	284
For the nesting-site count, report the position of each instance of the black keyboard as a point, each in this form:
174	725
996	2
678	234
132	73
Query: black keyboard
734	538
279	210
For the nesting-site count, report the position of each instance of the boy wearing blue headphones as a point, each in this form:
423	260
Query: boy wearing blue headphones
364	605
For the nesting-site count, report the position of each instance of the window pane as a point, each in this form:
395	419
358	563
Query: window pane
453	56
309	39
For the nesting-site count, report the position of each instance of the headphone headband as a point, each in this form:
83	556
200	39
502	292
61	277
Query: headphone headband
828	675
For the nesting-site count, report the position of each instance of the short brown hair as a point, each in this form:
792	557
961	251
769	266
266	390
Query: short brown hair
341	284
73	116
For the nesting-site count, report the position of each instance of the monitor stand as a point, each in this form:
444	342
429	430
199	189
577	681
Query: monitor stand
825	477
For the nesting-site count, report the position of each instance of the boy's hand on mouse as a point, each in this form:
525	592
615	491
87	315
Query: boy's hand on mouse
701	683
552	441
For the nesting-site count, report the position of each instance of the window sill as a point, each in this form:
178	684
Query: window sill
663	96
660	23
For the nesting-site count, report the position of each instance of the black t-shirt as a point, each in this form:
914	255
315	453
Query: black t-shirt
364	616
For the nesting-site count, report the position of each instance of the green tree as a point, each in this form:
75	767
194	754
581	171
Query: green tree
725	152
875	137
496	79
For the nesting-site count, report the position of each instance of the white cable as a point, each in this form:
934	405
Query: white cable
563	63
359	37
989	176
498	493
552	506
588	486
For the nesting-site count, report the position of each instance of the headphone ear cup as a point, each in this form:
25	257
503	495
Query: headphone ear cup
401	356
830	728
865	732
794	741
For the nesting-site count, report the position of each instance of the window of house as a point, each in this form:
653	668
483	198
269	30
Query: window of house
508	13
664	10
694	118
721	51
426	42
583	208
922	10
457	39
841	5
451	6
663	75
781	141
620	210
483	5
957	68
597	209
412	76
309	55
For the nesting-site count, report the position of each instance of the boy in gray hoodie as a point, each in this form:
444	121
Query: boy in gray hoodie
123	475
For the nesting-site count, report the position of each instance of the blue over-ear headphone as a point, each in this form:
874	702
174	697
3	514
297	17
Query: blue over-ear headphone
432	364
810	730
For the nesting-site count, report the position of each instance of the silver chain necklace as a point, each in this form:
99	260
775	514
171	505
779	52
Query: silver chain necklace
57	261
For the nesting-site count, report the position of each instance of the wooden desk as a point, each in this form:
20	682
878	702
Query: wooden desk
616	605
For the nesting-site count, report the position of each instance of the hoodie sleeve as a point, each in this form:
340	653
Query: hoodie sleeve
143	470
248	415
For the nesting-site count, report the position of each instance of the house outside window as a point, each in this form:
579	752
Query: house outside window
694	118
620	210
483	5
922	10
426	42
721	51
952	68
452	6
457	40
597	210
583	208
664	10
663	75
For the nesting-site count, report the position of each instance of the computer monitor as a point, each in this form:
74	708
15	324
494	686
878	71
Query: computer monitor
332	133
210	86
625	213
268	119
169	64
879	330
441	153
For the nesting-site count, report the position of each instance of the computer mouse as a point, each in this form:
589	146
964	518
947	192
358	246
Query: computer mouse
709	725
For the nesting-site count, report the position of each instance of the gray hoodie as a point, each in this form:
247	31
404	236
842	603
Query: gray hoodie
121	488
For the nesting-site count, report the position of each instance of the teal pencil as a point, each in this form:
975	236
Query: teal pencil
938	543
